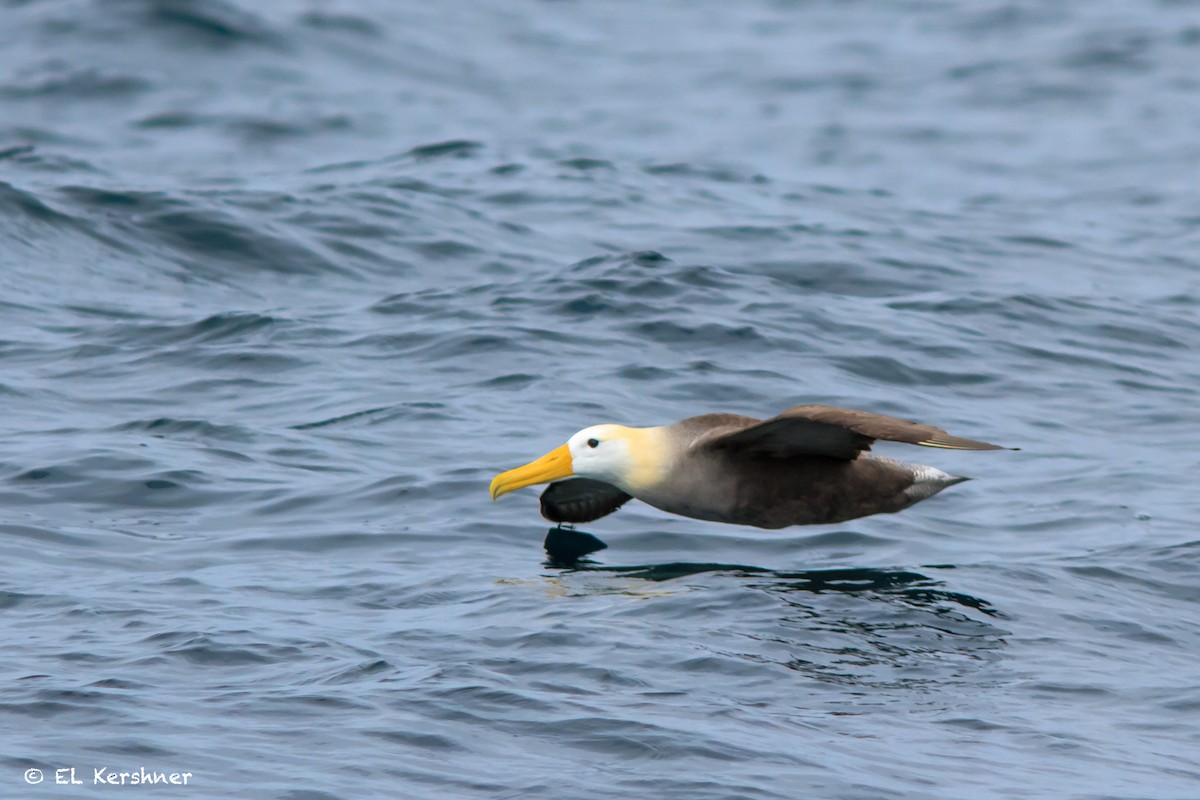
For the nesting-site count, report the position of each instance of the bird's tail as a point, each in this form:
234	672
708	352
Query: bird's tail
928	481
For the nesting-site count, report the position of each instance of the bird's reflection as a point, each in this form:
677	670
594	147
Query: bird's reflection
567	549
861	627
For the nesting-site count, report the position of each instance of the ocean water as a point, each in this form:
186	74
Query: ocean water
283	285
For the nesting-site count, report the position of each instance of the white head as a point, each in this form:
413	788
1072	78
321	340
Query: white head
601	452
625	457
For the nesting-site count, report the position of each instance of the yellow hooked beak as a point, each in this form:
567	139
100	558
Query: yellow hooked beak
555	464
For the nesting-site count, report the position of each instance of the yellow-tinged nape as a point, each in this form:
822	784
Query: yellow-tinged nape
628	458
650	458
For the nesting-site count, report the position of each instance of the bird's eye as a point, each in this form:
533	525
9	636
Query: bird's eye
593	442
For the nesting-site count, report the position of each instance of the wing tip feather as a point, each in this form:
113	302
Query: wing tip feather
958	443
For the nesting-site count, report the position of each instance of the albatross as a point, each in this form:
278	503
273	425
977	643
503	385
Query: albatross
806	466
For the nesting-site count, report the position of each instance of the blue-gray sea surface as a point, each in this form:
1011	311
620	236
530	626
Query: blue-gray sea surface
283	285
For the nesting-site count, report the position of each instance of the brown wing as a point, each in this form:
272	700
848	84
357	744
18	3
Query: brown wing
835	433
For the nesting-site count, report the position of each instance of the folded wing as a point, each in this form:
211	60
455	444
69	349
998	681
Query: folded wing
833	433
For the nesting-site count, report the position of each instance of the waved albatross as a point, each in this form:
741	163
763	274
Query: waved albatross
806	466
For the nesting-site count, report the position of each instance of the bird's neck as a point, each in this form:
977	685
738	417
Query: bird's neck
651	455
